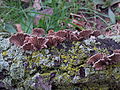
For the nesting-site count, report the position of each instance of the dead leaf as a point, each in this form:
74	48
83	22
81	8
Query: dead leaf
37	5
19	28
48	11
76	15
79	23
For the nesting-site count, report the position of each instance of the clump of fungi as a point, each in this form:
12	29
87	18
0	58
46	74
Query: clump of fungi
36	41
100	61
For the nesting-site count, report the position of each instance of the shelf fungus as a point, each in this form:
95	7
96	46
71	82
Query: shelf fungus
18	39
38	32
28	42
36	41
100	61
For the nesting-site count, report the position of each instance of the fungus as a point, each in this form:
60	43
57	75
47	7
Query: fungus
38	42
28	42
85	34
99	61
95	58
116	51
18	39
54	40
96	33
38	31
100	64
27	39
28	46
65	34
51	32
61	33
115	57
71	36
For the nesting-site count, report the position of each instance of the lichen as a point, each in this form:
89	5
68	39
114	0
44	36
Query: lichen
58	66
114	37
3	64
4	43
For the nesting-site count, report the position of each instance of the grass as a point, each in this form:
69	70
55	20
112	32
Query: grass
61	14
14	11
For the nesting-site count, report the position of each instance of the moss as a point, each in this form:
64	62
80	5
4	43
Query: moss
5	53
60	65
67	63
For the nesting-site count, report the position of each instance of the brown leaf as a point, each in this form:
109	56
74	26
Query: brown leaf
79	23
19	28
48	11
37	5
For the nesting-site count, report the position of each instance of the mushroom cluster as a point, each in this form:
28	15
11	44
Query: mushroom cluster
100	61
36	41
